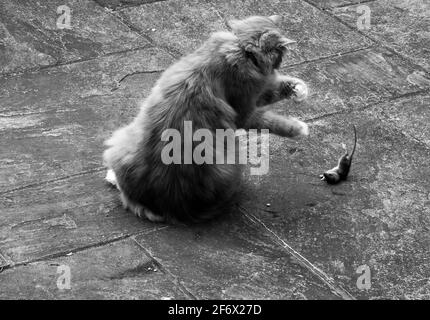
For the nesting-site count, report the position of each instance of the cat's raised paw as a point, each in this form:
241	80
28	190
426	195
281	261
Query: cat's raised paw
301	92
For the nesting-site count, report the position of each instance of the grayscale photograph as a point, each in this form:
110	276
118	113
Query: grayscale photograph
180	151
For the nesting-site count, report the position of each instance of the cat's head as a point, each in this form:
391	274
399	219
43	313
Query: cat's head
261	40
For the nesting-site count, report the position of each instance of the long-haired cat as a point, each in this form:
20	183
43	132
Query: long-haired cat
224	84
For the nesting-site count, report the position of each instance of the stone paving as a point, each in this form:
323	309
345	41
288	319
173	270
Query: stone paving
63	92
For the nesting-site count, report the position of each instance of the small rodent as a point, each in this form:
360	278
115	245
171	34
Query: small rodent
340	172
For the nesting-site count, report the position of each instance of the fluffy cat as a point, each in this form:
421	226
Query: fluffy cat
224	84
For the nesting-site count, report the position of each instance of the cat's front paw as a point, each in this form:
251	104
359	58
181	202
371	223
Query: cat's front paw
300	91
296	129
303	129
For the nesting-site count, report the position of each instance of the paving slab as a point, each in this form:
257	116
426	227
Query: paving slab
30	38
232	259
49	89
182	26
378	218
410	116
66	141
401	25
57	119
353	81
62	216
120	270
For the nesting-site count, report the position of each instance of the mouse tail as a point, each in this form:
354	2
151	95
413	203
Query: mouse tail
355	140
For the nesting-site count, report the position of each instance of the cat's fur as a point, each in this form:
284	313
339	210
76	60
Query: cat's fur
223	84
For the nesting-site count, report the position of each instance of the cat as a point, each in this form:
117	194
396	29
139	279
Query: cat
223	84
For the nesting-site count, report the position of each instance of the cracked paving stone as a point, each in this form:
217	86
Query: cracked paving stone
59	118
379	217
119	270
232	259
3	262
401	25
29	37
75	124
63	216
181	26
52	88
353	81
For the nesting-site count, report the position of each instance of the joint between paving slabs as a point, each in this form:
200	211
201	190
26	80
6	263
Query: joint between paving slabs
43	182
349	4
329	12
328	281
4	262
126	22
66	63
10	264
136	73
127	5
334	55
375	104
171	277
368	106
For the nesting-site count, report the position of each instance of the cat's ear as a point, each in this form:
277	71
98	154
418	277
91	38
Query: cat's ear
287	42
277	19
269	40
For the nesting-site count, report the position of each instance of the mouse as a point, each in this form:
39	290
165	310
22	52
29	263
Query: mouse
340	172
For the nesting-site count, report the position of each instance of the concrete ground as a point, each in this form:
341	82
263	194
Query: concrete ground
63	91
